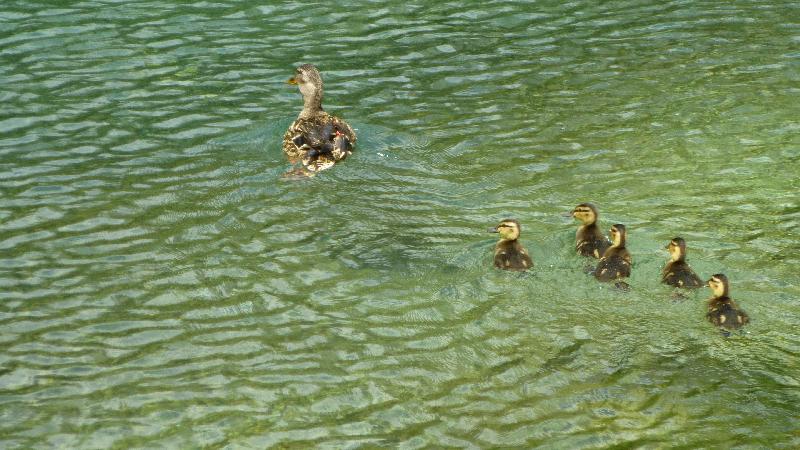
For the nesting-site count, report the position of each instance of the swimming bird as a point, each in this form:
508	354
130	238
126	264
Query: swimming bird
316	139
616	261
589	240
677	271
722	310
509	254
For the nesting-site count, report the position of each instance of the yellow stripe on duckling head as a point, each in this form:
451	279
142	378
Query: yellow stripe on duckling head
509	229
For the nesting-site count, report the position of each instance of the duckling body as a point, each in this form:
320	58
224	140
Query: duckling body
316	139
509	254
723	312
616	261
589	240
679	274
677	271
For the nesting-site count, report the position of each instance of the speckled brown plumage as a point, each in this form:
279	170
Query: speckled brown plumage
316	139
319	141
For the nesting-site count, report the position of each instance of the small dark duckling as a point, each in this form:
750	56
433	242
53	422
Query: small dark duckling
677	271
589	240
616	261
509	254
316	139
722	310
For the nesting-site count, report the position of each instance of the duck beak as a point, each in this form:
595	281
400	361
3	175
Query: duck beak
667	247
708	282
493	230
291	81
569	214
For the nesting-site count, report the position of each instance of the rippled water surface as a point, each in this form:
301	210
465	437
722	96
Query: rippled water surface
162	286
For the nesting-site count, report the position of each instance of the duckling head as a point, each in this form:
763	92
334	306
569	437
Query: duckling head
309	80
618	235
677	249
509	229
586	213
719	285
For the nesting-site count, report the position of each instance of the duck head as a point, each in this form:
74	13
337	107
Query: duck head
309	80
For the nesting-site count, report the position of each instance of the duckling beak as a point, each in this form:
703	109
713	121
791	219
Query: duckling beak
291	81
569	214
493	230
708	282
667	247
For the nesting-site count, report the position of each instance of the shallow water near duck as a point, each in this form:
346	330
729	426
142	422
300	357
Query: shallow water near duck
161	286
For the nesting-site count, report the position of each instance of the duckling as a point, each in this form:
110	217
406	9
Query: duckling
589	240
722	310
677	272
509	254
316	139
616	261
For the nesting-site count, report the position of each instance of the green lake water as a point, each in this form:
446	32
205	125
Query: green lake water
162	287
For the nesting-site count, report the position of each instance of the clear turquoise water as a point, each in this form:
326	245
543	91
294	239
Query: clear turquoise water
160	286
